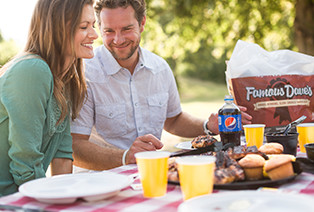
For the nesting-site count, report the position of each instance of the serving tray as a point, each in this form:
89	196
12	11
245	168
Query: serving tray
243	185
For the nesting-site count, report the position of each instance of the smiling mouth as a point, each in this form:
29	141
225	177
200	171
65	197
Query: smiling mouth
121	46
88	45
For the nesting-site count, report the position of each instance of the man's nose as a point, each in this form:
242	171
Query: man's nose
118	38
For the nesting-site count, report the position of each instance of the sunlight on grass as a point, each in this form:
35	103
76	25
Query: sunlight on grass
194	90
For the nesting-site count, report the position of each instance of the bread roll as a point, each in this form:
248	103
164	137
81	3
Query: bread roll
271	148
279	167
252	165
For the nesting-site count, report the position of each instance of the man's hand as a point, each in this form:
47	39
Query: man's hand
143	143
246	118
212	123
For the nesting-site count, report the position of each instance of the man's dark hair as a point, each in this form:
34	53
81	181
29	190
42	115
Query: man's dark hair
139	7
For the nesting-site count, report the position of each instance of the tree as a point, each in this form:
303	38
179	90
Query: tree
196	37
304	26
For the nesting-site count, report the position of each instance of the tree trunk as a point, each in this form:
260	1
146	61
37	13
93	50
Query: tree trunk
304	26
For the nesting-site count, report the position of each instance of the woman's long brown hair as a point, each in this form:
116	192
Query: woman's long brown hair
52	27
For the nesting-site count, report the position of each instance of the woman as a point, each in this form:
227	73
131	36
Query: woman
40	89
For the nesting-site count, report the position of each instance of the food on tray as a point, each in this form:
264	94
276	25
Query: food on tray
227	169
173	174
242	163
202	141
252	165
239	152
285	155
271	148
275	155
279	167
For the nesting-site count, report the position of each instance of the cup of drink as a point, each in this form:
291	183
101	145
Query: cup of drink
306	134
196	175
254	134
153	170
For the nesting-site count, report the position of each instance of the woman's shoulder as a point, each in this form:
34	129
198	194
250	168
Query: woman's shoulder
30	65
30	73
31	61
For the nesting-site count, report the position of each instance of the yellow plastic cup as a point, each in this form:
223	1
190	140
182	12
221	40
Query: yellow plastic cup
306	134
153	170
254	134
196	175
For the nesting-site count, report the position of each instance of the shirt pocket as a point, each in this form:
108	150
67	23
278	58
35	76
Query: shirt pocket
111	120
158	109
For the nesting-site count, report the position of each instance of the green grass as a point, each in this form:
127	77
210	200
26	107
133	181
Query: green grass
195	90
200	99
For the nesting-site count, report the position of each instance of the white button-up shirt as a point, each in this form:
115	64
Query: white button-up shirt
122	106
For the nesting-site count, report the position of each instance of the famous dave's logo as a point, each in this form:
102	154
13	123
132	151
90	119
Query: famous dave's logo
282	112
279	91
230	123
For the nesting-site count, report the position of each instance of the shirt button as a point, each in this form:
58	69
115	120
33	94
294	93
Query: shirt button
160	103
110	114
142	64
136	104
140	129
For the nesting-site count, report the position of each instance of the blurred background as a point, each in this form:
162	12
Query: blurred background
196	37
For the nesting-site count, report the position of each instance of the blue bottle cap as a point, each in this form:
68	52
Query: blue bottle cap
228	97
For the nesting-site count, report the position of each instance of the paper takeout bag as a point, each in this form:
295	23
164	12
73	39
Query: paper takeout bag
276	87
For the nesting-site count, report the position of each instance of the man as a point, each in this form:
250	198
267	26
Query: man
132	94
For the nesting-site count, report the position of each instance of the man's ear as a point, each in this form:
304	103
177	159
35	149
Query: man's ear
142	25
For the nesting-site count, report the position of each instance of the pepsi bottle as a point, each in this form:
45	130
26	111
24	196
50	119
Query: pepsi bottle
229	120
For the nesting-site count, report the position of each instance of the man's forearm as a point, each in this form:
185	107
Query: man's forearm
92	156
61	166
185	125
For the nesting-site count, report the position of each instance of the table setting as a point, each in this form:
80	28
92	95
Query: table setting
146	186
129	199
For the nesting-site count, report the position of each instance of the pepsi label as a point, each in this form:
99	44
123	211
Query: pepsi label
229	123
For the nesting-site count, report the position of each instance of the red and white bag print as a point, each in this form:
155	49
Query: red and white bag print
277	87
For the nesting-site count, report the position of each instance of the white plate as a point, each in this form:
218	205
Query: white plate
184	145
188	146
249	201
64	189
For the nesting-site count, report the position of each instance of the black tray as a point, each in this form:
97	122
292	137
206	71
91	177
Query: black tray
254	184
306	164
243	185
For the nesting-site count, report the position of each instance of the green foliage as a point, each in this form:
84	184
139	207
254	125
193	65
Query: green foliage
8	49
196	37
1	38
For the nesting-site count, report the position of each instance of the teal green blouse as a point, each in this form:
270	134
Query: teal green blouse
29	137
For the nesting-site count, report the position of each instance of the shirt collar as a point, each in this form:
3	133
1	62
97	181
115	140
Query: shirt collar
146	59
110	61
